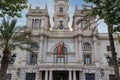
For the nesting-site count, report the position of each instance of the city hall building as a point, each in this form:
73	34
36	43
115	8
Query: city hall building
63	54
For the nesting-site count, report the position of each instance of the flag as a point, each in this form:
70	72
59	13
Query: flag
59	48
63	48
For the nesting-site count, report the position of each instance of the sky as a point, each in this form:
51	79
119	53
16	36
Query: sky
50	5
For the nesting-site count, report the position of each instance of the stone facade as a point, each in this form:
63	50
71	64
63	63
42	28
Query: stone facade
84	52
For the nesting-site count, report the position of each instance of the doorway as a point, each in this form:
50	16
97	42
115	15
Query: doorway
60	75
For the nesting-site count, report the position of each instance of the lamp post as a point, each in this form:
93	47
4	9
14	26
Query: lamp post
109	60
12	58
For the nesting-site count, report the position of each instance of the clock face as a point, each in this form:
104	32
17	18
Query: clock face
60	27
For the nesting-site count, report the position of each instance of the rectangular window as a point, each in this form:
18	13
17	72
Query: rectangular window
61	9
33	59
34	48
90	76
30	76
8	77
36	23
108	48
87	59
111	77
60	58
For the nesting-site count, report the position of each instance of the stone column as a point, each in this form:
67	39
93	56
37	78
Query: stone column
40	50
44	49
95	51
76	49
70	75
50	75
80	57
38	75
74	75
46	75
25	58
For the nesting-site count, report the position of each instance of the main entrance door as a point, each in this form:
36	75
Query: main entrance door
60	75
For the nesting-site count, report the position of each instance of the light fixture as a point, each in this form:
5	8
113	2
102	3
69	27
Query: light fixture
12	58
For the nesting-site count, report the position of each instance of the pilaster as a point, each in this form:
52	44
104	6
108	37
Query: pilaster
40	51
96	59
80	57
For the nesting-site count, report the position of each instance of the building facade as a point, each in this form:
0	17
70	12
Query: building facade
63	54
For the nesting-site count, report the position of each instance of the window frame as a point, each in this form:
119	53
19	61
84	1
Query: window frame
60	58
87	47
87	60
89	76
30	74
61	9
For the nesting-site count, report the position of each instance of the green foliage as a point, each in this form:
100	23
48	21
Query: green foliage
109	10
12	36
12	7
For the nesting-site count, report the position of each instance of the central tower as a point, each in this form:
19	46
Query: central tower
61	16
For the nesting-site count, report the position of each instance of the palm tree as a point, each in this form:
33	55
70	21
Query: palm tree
12	37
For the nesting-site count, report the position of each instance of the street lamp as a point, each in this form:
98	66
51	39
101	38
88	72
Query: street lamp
109	60
12	58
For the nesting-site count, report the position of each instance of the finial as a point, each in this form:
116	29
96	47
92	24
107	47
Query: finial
46	7
30	6
76	8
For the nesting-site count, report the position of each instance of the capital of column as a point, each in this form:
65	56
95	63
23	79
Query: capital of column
80	39
41	39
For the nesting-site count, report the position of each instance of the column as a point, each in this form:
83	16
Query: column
46	75
44	49
74	75
95	51
14	75
50	75
70	75
40	50
25	57
80	57
76	49
37	76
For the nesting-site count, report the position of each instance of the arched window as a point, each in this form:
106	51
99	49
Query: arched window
65	50
87	47
60	54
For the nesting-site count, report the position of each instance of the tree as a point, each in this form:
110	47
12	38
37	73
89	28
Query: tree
12	7
109	11
12	37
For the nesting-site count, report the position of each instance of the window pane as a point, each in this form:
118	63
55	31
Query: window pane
87	47
87	58
33	59
61	9
111	77
108	48
61	57
30	76
90	76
